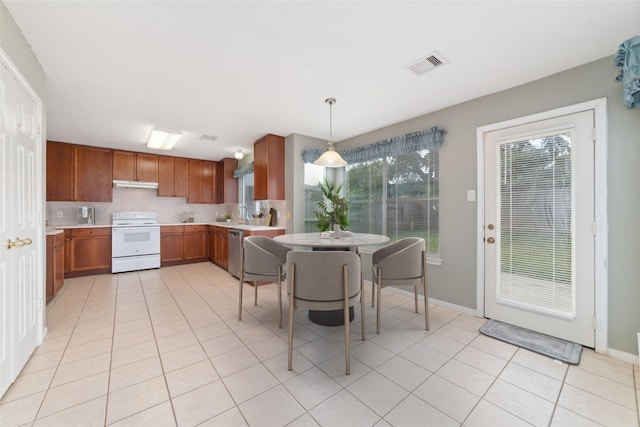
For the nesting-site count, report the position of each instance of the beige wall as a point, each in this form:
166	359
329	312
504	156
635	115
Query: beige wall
455	280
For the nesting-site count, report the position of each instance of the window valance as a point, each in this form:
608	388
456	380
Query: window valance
243	170
408	143
628	58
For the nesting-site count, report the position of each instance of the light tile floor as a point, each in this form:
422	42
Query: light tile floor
164	347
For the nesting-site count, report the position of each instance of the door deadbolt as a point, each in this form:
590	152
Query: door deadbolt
491	226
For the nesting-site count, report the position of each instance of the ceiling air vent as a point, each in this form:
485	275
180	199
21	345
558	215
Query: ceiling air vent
427	63
208	138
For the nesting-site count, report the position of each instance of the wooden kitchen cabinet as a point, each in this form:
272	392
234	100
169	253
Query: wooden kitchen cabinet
209	170
89	251
195	242
268	168
202	181
92	174
78	173
130	166
59	171
219	246
55	264
181	177
195	181
173	176
171	244
181	244
227	185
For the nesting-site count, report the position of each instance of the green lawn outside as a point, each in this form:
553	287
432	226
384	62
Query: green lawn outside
541	257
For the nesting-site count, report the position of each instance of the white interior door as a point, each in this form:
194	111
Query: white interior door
21	236
539	226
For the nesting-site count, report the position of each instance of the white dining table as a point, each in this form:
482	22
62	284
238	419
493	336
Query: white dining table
326	241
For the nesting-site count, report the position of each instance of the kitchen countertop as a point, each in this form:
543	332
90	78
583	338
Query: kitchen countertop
59	228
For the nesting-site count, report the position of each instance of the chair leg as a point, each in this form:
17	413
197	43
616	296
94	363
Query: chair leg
255	293
279	299
291	310
415	297
362	305
373	292
379	300
425	290
347	349
240	297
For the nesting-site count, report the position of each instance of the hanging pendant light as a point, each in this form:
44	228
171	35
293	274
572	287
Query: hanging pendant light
330	158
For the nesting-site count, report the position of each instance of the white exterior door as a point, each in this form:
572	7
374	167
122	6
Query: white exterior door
21	231
539	226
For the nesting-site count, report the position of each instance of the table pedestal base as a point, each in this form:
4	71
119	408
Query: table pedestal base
330	318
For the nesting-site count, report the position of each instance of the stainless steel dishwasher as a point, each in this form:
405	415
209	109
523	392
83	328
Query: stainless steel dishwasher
235	252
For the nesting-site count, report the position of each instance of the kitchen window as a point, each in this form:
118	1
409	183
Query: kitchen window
392	186
398	196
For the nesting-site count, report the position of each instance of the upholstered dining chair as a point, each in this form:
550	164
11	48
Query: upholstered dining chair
263	259
401	263
325	280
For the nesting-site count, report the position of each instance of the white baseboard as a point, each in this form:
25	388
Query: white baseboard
616	354
623	356
462	309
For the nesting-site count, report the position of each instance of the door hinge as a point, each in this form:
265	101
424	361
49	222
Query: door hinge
595	323
40	304
594	135
594	229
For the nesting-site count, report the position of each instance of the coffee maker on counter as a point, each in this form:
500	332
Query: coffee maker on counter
86	215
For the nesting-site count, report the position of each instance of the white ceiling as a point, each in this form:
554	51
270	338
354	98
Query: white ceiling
239	70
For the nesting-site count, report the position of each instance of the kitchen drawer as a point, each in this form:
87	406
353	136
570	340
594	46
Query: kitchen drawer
194	228
90	232
171	229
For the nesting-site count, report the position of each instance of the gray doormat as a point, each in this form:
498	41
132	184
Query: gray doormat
555	348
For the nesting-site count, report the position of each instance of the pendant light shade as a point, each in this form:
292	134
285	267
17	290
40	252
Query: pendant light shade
330	158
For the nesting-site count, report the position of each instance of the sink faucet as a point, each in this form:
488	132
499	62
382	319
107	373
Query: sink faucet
246	213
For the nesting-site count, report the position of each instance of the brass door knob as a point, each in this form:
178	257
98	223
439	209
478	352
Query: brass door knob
18	243
491	240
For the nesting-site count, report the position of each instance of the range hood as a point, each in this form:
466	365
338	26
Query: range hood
135	184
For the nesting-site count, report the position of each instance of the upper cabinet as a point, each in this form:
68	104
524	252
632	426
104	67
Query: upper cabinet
227	185
268	168
173	176
78	173
202	181
59	171
130	166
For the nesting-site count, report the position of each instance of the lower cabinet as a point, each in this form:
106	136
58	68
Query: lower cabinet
181	244
171	244
219	246
55	264
195	242
89	251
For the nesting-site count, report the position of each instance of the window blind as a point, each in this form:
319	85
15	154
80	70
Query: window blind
535	223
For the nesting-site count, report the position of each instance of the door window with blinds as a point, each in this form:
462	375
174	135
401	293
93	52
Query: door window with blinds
397	196
535	223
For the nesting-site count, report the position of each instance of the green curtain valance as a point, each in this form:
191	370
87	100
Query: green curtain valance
408	143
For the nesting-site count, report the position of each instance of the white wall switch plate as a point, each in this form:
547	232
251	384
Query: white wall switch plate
471	195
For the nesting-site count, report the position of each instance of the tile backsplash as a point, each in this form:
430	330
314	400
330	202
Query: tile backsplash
169	209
